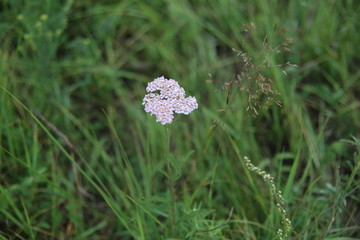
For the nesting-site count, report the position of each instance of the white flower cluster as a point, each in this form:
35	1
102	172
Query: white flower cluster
166	97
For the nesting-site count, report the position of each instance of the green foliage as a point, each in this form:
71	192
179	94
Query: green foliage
80	159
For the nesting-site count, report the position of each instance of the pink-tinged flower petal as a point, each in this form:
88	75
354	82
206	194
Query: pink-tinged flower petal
166	97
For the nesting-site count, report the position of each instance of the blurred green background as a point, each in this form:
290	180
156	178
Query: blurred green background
80	159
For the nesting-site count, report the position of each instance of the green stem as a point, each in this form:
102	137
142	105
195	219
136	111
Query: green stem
355	170
171	187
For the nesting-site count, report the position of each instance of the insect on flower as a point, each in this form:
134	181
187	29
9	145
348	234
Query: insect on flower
165	96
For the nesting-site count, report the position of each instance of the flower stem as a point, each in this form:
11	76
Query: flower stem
171	187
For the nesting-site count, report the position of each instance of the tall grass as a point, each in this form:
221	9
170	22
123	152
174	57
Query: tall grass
80	159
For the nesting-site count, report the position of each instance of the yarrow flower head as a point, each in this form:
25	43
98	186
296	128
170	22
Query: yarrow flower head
165	96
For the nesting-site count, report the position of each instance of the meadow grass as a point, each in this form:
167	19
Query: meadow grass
80	158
